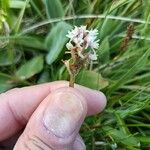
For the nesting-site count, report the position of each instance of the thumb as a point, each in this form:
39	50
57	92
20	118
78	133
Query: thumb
55	123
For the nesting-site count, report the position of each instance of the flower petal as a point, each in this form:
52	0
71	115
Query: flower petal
92	55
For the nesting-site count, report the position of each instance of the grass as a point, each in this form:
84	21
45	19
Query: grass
32	45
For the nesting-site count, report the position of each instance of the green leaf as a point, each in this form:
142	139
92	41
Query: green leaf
121	137
17	4
54	8
20	17
44	77
103	52
118	4
8	58
91	79
133	108
56	40
131	71
5	82
106	28
121	124
144	139
4	5
30	68
31	41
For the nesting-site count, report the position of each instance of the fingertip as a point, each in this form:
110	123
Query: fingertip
96	100
101	100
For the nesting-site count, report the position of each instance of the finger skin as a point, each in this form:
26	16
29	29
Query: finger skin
79	144
52	126
17	105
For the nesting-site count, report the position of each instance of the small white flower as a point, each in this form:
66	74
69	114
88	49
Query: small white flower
95	44
69	45
92	55
81	38
91	37
77	32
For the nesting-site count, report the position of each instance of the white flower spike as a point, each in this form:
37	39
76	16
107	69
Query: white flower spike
82	39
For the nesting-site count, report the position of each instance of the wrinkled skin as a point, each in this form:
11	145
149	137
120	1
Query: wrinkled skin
22	109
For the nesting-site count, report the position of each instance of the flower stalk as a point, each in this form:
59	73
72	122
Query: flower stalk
82	45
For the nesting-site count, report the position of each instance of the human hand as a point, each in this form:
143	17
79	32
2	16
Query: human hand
46	116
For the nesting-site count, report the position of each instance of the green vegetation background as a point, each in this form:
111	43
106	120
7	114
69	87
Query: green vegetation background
32	45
